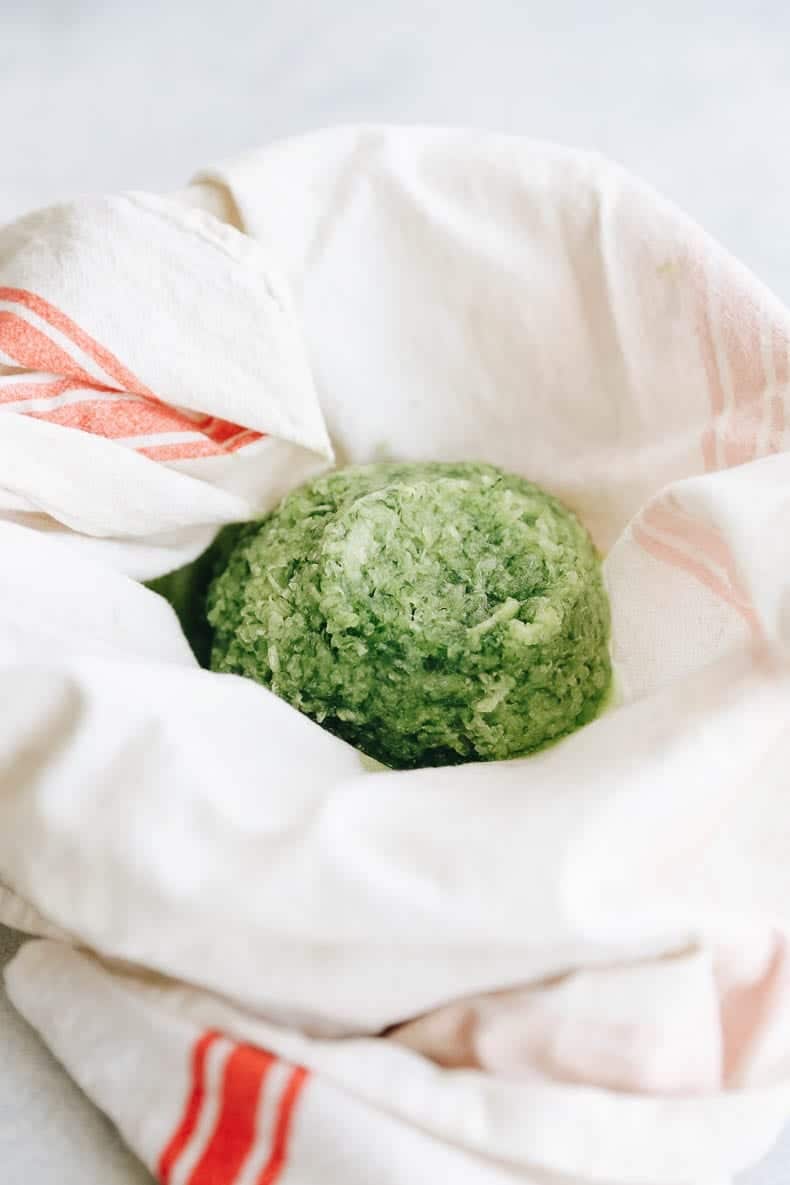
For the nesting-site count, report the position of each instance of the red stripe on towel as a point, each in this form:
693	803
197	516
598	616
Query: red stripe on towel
31	348
272	1170
70	329
28	346
197	1093
234	1134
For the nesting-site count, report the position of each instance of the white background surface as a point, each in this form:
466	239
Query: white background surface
107	94
694	95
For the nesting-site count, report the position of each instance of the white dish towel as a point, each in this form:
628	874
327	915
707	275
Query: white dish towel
265	962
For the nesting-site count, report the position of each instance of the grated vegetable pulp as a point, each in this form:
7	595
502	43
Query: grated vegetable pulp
429	613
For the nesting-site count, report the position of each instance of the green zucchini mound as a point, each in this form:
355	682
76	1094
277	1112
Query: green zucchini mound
429	614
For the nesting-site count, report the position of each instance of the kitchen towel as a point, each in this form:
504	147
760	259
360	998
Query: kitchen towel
264	960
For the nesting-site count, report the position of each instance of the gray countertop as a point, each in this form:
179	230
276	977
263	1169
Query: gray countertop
694	95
